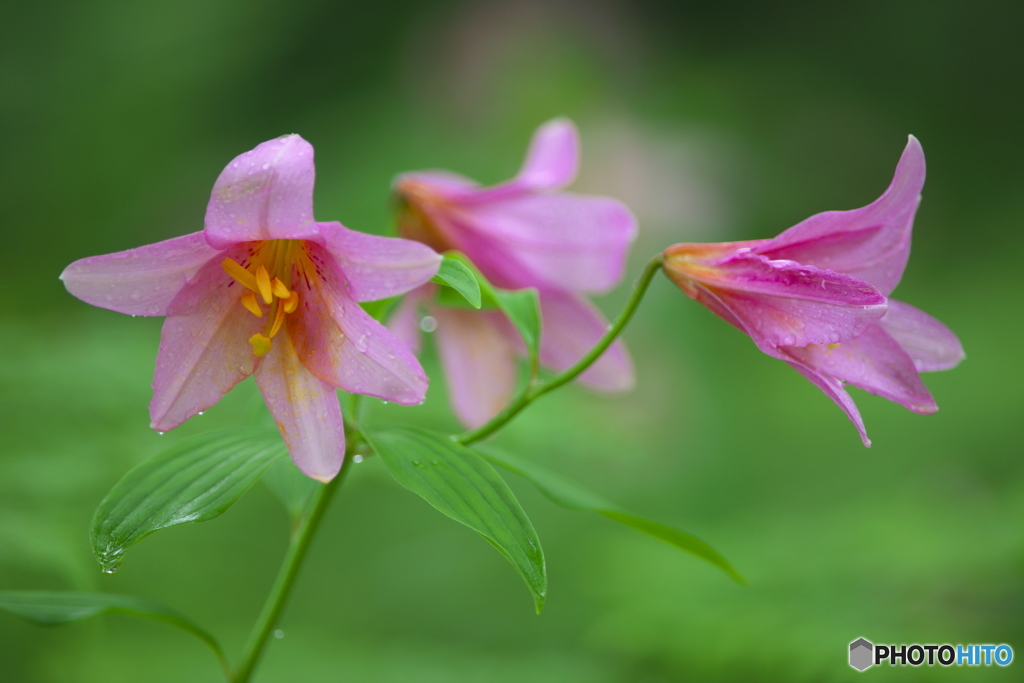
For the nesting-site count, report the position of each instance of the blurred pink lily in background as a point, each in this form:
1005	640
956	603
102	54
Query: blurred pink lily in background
816	297
525	232
266	290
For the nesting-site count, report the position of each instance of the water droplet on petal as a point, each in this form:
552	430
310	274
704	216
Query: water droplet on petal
428	323
200	412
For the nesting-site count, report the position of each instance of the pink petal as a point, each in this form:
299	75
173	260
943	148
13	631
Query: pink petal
204	347
562	241
571	327
305	408
874	362
871	243
833	388
343	346
479	362
266	193
780	303
553	158
378	267
931	345
141	281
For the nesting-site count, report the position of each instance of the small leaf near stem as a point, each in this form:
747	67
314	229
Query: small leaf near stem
535	389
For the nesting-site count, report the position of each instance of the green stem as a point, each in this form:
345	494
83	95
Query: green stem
286	576
535	389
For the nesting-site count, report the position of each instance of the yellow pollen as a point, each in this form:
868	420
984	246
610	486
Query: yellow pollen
833	347
291	303
240	274
249	301
280	291
263	283
260	344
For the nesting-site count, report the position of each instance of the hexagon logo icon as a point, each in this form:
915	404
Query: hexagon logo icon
861	652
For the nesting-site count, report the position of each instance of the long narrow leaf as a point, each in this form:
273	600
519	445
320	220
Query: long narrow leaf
460	483
575	497
194	481
61	607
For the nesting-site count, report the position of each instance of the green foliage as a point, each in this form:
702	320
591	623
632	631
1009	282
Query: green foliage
196	480
290	486
454	273
574	497
460	483
60	607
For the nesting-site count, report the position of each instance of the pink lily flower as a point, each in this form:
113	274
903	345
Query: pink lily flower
521	233
816	297
266	290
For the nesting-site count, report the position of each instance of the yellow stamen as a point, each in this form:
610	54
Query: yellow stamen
240	274
263	283
249	301
291	303
260	344
280	291
278	320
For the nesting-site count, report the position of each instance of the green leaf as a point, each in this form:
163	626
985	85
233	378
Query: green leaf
291	486
575	497
456	274
460	483
196	480
61	607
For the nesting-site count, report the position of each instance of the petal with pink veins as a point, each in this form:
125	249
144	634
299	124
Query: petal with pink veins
204	347
141	281
479	360
572	326
343	346
266	193
305	409
930	344
871	243
378	267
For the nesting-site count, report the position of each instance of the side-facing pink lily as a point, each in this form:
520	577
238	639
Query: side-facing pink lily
522	233
815	297
266	290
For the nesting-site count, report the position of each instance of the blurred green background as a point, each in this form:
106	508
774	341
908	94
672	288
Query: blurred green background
715	121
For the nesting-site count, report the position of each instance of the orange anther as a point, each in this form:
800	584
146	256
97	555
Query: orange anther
263	284
280	291
291	303
240	274
278	320
249	301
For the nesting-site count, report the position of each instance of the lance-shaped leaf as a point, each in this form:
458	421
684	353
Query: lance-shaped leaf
454	273
61	607
196	480
573	496
460	483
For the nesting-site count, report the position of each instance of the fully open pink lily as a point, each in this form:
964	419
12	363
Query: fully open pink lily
266	290
522	233
815	297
